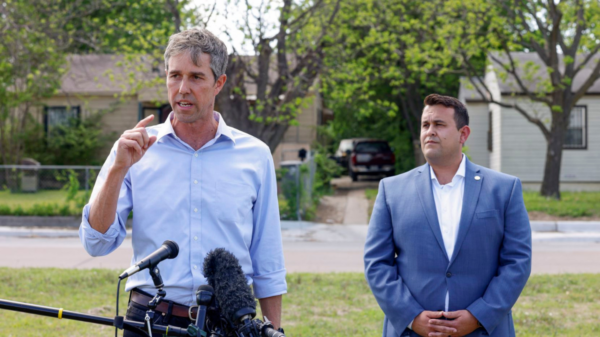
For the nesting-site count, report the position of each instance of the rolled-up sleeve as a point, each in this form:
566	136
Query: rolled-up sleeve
94	242
266	250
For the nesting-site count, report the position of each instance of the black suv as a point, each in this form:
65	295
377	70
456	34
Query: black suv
371	157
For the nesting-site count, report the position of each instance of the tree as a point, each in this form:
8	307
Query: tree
564	35
31	65
385	61
286	62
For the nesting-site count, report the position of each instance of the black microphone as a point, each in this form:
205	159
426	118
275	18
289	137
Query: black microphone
234	296
223	272
168	250
204	296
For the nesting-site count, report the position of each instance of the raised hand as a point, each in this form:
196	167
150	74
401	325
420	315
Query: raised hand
133	144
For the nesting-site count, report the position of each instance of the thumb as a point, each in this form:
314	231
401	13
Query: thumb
151	140
435	314
144	121
452	314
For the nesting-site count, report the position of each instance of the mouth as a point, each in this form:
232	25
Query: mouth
185	105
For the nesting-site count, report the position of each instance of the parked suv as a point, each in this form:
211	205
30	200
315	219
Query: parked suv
371	157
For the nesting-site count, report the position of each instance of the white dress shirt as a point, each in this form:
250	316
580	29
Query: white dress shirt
448	205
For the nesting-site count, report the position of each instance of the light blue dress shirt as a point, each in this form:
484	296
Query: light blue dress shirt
223	195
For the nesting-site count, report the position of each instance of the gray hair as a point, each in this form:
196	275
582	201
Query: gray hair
197	41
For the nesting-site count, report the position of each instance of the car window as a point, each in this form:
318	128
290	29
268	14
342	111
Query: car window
372	147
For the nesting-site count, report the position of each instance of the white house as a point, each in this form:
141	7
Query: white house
503	140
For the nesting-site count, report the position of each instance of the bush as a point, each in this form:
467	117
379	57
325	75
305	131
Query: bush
76	143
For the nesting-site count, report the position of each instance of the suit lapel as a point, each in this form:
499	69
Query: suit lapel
470	199
423	186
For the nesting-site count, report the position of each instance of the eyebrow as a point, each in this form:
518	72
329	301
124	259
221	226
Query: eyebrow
435	121
194	73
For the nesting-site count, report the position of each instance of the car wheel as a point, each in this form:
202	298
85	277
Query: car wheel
353	176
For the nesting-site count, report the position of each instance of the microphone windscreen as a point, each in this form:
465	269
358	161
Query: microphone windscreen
224	273
173	248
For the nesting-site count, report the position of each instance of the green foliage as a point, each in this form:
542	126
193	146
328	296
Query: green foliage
386	61
76	143
300	192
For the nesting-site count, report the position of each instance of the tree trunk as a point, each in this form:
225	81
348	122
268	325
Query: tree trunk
551	181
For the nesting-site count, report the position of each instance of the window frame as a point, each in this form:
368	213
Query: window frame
46	126
585	131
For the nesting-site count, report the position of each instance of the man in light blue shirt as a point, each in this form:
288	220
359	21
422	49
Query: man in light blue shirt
192	180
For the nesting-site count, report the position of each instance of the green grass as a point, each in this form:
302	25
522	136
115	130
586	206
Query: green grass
316	304
572	204
42	203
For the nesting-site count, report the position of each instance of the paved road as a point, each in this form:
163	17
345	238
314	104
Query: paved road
307	248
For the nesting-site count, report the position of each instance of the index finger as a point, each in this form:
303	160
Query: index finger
144	122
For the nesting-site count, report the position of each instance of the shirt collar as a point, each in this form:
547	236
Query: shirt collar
166	128
459	173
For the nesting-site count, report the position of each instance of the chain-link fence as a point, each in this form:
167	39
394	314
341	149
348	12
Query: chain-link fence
45	189
296	183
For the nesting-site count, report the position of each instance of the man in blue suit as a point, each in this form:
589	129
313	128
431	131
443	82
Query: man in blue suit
448	250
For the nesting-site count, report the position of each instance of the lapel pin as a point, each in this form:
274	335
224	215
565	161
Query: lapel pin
477	178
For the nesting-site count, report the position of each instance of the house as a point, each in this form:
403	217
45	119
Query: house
503	140
103	83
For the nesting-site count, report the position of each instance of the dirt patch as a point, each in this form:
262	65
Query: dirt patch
331	208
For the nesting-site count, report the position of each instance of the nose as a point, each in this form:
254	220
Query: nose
183	87
430	130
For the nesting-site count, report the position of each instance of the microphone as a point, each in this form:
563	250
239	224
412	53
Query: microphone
223	272
204	296
234	296
168	250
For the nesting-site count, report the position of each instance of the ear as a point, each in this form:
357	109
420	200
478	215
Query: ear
220	83
464	134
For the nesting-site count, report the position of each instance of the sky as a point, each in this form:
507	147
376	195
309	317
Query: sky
230	15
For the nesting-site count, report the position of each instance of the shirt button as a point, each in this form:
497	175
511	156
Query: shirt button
195	155
195	210
195	267
448	274
195	181
195	238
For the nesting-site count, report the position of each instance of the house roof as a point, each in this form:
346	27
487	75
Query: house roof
103	74
530	64
106	74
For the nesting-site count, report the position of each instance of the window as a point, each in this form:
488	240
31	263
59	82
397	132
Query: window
59	115
576	135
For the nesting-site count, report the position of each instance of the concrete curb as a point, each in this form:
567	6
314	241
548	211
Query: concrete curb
71	222
565	226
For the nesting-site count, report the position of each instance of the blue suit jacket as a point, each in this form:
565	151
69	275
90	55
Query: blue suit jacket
406	264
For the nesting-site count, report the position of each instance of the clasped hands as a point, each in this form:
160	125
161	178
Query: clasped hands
458	323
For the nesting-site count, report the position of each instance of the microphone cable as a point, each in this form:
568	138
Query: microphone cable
117	315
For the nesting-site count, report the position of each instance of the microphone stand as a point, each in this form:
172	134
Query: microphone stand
123	324
158	298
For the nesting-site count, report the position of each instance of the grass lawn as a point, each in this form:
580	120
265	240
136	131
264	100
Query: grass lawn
316	304
39	203
572	204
